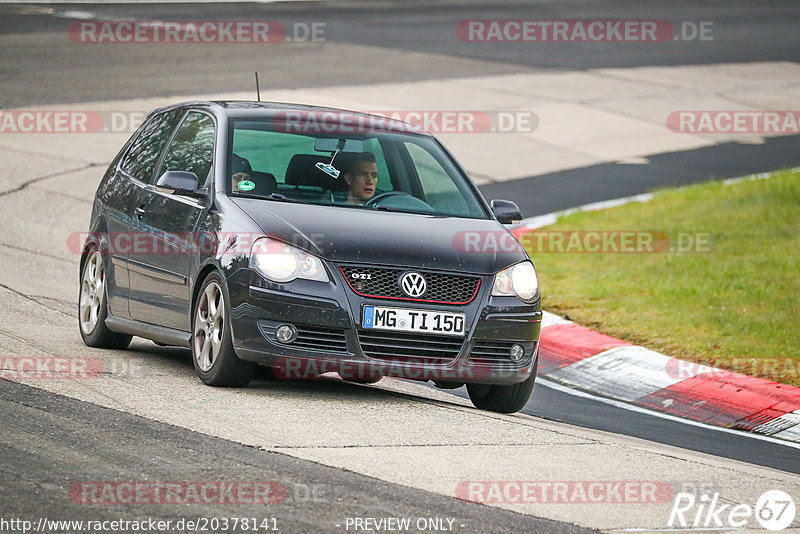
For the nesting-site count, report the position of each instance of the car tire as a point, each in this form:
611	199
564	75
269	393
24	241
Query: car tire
503	399
215	361
93	308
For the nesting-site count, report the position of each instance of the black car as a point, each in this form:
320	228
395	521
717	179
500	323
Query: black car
309	240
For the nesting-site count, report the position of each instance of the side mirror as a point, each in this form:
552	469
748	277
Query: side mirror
179	183
507	212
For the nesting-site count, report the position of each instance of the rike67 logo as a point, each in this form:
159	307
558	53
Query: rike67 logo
774	510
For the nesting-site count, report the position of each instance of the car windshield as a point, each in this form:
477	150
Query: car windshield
371	169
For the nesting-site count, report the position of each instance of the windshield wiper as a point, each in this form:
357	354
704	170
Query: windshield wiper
278	196
412	212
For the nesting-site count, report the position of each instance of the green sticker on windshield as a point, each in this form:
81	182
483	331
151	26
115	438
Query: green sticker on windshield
246	185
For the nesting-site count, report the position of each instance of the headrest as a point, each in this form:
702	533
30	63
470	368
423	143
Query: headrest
264	181
302	171
239	164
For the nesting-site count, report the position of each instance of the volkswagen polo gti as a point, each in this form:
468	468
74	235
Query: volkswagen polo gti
309	240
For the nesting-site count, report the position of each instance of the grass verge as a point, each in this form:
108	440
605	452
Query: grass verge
732	300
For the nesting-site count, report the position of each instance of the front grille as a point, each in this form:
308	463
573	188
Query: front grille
405	347
382	282
318	338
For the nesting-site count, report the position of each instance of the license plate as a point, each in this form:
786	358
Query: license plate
406	320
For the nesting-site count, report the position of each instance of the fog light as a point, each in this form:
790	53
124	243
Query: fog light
286	333
517	352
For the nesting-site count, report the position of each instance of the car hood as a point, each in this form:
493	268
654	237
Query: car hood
352	235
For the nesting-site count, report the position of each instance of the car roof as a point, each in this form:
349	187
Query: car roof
243	109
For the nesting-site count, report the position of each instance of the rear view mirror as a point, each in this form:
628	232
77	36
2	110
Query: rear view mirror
179	183
507	212
331	144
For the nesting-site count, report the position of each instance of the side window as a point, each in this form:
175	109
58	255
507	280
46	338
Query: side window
192	148
438	187
141	159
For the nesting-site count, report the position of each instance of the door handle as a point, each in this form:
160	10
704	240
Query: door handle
139	212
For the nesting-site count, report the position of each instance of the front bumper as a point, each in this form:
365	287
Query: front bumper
328	319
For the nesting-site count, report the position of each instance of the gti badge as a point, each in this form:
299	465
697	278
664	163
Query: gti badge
413	284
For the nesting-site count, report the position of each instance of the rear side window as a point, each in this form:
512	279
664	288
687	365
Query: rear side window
141	159
192	148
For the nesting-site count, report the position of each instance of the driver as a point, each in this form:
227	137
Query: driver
361	177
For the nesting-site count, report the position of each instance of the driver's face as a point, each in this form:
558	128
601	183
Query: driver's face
362	180
238	177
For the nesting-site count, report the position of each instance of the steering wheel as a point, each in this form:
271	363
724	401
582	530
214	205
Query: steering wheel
399	201
382	196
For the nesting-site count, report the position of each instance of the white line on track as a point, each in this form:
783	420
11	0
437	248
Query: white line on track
699	529
618	404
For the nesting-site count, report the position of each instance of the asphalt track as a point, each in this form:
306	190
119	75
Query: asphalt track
607	181
560	405
39	67
42	430
45	443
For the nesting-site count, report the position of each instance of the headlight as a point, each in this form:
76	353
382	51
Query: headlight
283	263
519	280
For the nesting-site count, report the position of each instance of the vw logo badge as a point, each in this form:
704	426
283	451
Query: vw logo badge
413	284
